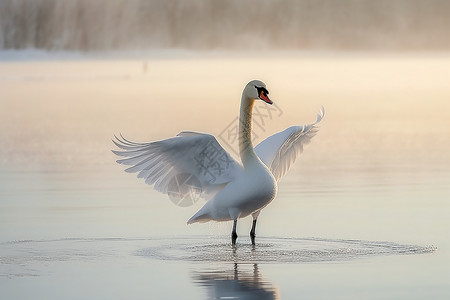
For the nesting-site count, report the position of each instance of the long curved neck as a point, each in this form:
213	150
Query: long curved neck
246	151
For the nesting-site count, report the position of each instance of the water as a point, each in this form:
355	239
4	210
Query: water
362	214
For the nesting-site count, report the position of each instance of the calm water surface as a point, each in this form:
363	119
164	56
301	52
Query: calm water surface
363	214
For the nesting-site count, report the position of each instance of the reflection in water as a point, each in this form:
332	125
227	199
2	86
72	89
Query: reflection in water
238	282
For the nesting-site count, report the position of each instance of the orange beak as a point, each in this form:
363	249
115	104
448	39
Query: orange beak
265	98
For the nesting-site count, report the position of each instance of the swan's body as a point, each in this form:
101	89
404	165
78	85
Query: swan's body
254	187
236	190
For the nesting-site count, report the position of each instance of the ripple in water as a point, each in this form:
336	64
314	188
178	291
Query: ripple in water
198	249
279	250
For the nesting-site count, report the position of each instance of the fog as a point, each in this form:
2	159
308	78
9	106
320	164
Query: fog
387	25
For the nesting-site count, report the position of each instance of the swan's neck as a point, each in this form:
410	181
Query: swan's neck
248	155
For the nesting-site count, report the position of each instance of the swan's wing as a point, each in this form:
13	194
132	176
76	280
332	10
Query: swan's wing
279	151
162	163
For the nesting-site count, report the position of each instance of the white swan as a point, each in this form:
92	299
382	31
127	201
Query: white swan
234	190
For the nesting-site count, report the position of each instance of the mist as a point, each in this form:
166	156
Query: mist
84	25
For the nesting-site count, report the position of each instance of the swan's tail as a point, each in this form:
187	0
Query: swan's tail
201	216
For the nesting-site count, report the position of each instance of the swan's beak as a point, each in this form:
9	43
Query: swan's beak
265	98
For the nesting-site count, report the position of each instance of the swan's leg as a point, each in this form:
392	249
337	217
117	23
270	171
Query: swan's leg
253	231
233	233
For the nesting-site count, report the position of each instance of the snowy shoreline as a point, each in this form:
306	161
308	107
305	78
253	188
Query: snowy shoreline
45	55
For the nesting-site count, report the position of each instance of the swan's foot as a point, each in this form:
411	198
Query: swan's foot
233	238
252	237
252	232
234	234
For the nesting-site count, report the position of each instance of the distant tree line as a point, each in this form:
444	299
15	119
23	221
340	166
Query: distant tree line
225	24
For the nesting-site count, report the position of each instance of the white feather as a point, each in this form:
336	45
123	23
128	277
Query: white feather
279	151
159	162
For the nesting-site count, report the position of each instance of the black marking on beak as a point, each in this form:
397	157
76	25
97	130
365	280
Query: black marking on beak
263	94
263	90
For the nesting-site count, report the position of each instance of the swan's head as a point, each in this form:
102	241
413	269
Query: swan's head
256	89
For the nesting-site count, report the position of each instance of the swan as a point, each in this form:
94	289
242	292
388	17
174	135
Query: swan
232	190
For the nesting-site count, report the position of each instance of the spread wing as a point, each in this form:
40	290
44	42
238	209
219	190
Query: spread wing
195	157
279	151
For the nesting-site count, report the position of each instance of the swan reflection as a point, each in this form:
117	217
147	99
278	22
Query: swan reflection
240	282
